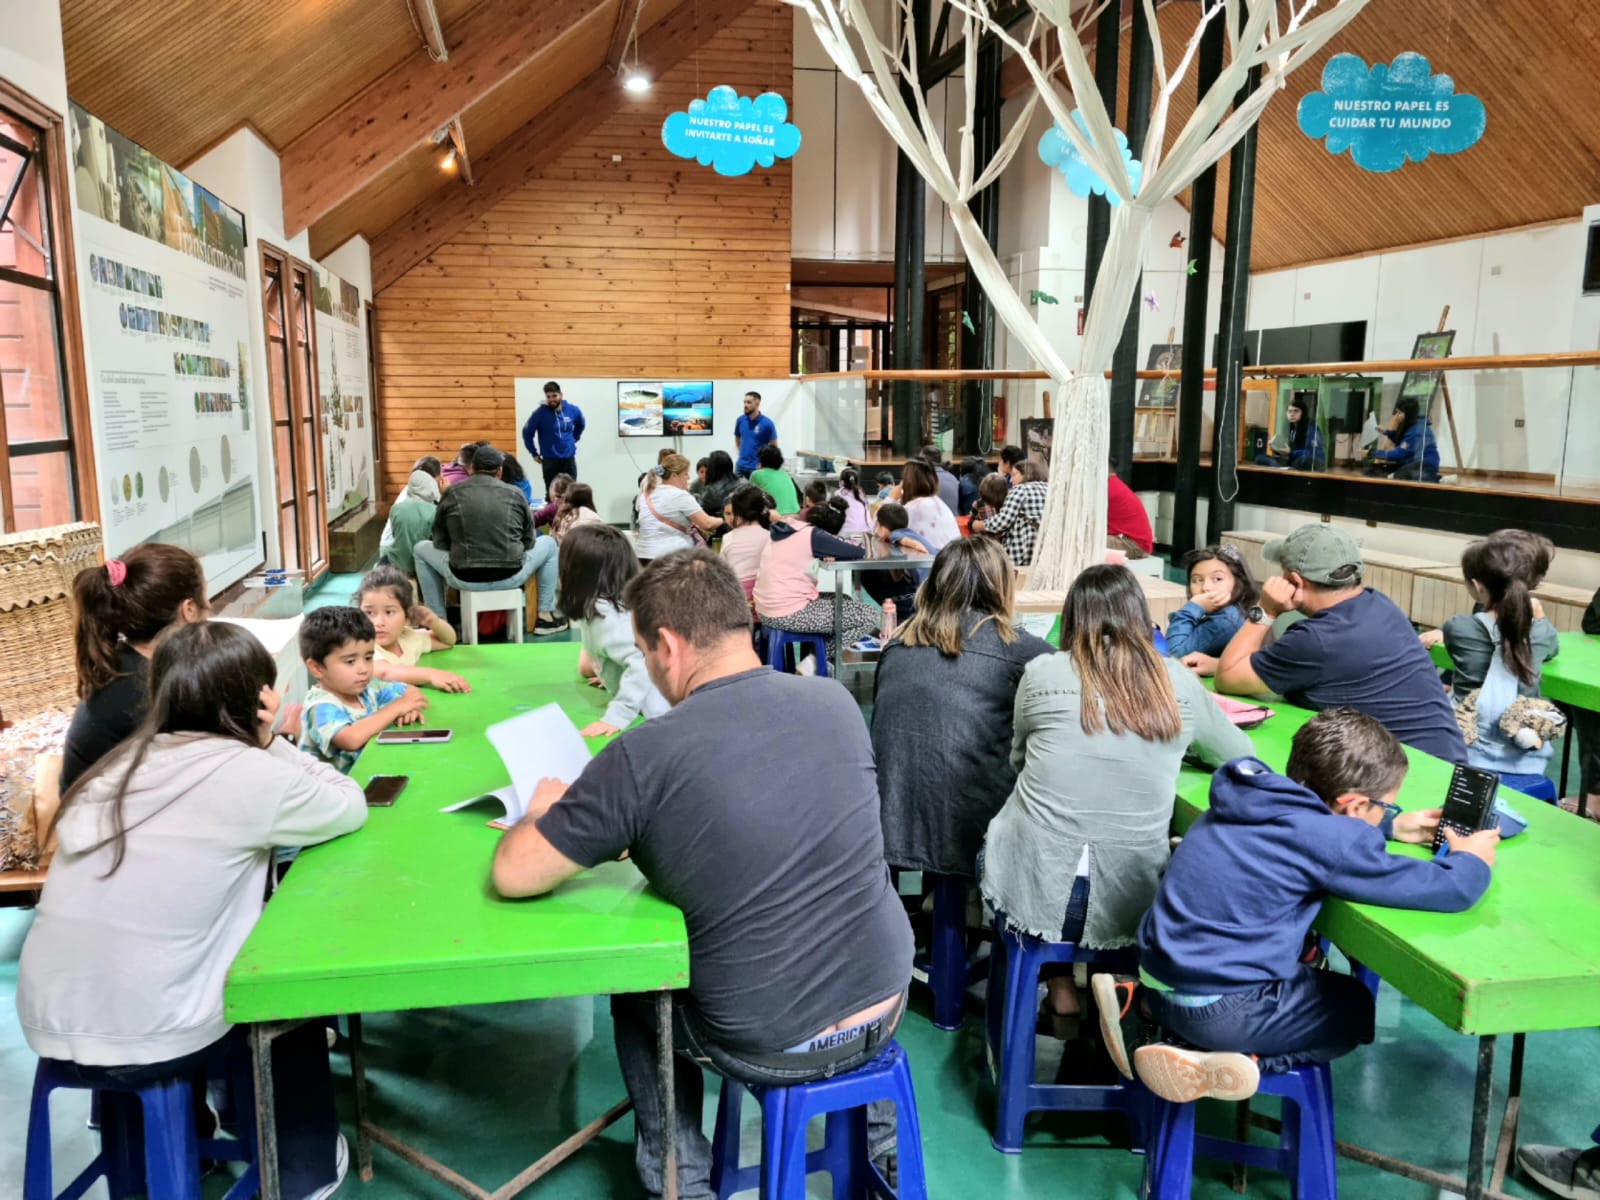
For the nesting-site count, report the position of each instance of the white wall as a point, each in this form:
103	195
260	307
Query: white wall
1509	293
31	53
612	464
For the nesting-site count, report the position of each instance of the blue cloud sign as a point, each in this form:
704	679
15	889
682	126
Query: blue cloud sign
1390	113
730	133
1055	150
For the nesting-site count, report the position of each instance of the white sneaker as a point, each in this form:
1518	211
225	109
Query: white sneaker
341	1165
1183	1076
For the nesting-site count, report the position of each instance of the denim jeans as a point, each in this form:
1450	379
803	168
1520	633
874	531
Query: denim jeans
302	1087
633	1021
434	574
1314	1016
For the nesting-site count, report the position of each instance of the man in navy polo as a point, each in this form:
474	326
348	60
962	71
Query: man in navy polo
551	435
751	432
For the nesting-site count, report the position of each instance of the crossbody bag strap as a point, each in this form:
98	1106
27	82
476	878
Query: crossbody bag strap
688	531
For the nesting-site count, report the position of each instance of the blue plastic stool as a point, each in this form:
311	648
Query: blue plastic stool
1305	1150
946	971
168	1167
787	1111
1540	787
778	643
1014	965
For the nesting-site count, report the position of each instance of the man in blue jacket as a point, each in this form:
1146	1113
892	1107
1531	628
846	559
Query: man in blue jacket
551	435
1221	950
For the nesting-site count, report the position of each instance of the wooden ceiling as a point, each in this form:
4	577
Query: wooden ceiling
1532	64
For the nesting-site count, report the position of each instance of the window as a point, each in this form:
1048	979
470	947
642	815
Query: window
45	472
296	428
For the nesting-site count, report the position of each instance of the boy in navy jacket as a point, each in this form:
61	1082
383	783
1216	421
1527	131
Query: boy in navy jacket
1220	949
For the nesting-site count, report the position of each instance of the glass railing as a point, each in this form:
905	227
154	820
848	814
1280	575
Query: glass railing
1520	424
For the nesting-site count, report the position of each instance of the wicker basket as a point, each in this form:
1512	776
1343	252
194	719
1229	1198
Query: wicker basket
36	615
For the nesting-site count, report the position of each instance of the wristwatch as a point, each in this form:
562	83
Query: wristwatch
1258	615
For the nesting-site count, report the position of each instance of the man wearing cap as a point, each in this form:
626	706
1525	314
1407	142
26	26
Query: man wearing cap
1355	648
484	541
551	434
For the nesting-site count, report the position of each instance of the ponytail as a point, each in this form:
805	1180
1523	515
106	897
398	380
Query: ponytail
1514	617
132	599
1508	565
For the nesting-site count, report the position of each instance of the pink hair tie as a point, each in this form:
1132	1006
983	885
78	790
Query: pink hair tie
117	570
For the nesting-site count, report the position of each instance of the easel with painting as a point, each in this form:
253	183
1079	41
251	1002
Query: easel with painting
1426	386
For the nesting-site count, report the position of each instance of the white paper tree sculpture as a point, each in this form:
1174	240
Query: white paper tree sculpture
1072	535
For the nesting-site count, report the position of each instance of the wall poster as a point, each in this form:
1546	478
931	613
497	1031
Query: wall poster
166	334
342	390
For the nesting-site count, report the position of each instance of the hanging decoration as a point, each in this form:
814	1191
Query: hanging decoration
730	133
1057	150
1390	113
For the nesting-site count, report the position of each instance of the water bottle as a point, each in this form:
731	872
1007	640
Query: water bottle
888	622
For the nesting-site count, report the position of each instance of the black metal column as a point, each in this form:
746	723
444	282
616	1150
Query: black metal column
977	343
1107	50
910	281
1230	342
1191	381
1125	362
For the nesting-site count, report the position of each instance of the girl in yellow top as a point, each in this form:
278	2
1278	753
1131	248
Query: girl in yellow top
405	632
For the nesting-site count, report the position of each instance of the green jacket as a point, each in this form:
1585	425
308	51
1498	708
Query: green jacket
409	523
483	524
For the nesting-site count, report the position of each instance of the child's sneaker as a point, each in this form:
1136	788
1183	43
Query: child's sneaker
1123	1027
1181	1075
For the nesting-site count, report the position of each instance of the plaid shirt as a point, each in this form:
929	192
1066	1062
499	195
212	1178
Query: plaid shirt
1017	524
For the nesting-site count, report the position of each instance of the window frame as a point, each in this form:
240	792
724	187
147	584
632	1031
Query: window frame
51	167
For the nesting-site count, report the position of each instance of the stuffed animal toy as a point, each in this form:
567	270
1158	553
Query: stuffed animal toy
1530	722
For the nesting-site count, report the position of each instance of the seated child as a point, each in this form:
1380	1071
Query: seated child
890	525
120	979
596	563
815	493
347	707
1220	950
1221	593
748	517
404	632
885	484
992	491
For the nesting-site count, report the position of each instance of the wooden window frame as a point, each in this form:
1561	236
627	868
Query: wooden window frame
69	316
299	406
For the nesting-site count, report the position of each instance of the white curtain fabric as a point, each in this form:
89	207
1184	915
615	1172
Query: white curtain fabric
1072	534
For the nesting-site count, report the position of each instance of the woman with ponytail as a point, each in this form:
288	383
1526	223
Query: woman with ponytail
122	607
1498	650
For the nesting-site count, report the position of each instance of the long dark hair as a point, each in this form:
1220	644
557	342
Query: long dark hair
1408	407
850	481
134	597
749	504
971	582
1244	592
917	480
596	564
205	678
1105	626
719	466
1299	431
1509	564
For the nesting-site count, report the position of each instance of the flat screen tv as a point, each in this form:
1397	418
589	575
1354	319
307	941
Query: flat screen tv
656	408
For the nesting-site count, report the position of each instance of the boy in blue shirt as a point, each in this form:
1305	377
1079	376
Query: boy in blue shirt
1220	950
551	434
347	707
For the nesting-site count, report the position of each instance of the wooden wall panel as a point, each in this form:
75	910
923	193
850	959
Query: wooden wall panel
651	266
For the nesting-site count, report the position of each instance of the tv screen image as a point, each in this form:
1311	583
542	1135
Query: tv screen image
686	408
639	412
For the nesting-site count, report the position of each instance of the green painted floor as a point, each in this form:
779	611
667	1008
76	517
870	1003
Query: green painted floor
490	1089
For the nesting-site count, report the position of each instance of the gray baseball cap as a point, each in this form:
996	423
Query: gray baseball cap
1323	554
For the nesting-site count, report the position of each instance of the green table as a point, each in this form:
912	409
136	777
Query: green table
1523	959
401	915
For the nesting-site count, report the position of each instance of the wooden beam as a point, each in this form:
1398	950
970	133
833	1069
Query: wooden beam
426	18
542	140
355	143
627	22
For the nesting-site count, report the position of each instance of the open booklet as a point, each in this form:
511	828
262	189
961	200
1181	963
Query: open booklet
542	744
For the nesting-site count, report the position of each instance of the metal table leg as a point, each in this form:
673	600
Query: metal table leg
1482	1098
669	1092
261	1038
1506	1150
358	1070
838	622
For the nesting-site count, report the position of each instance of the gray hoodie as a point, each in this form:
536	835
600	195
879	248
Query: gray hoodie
129	969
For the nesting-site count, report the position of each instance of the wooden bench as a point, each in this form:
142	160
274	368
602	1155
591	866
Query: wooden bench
1395	574
1163	597
1249	543
1437	594
353	544
1563	605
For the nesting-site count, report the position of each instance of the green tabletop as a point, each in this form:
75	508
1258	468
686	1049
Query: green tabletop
400	915
1525	958
1571	677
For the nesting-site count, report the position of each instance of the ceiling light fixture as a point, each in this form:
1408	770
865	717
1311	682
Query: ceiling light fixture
635	81
448	162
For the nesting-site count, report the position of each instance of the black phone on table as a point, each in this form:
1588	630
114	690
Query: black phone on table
1469	803
413	735
381	790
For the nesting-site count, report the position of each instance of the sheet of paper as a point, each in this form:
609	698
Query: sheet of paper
542	744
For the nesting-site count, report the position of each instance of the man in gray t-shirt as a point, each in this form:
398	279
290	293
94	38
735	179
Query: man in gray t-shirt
799	950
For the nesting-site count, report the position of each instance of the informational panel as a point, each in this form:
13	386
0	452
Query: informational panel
166	333
342	390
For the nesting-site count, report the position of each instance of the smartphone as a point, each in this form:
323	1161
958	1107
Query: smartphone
382	789
414	735
1469	804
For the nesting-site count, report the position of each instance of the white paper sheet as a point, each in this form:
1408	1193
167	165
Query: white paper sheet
542	744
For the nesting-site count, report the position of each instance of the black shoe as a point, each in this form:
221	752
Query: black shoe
1123	1027
545	626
